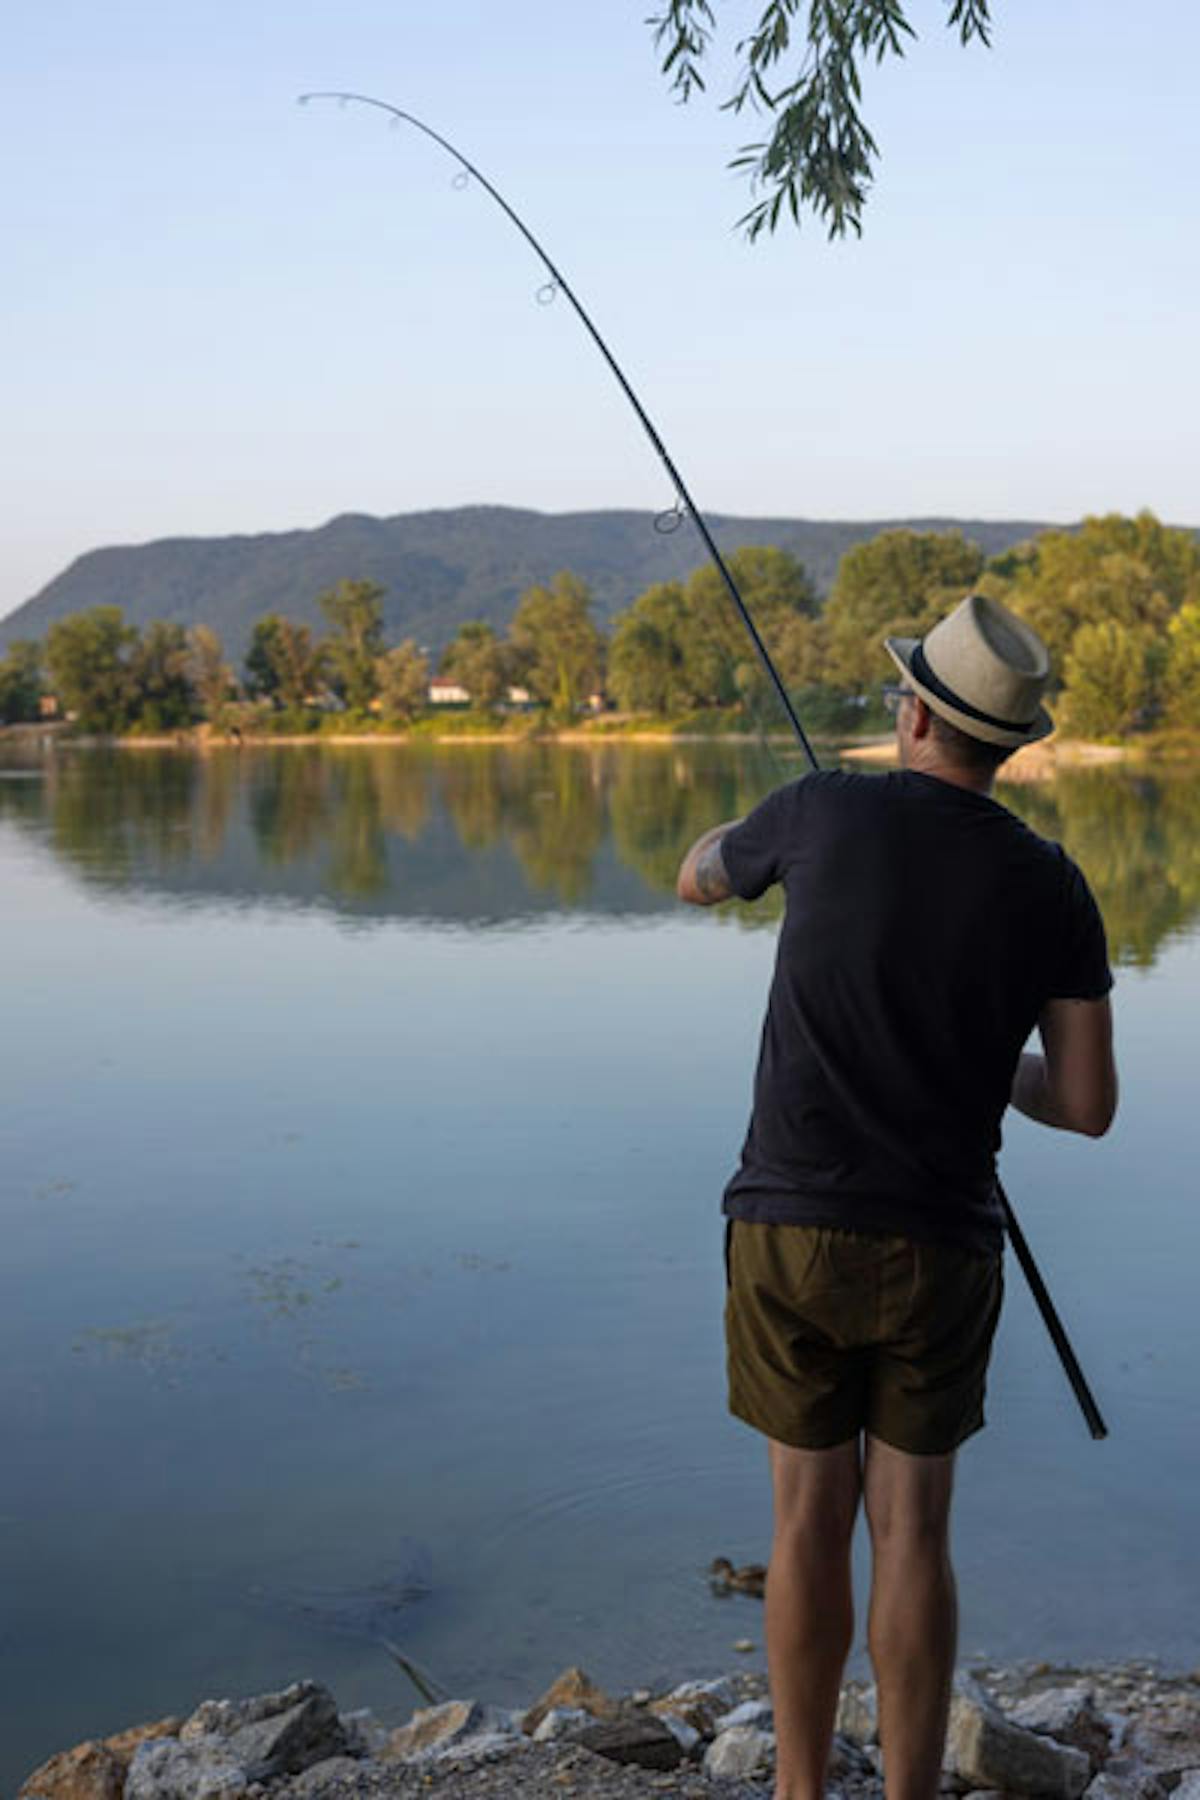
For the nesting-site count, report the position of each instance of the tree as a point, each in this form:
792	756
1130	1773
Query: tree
479	662
403	677
1107	679
896	584
158	670
355	611
209	676
1181	682
283	664
777	592
646	655
1134	572
798	651
558	650
820	153
262	658
21	682
88	657
681	647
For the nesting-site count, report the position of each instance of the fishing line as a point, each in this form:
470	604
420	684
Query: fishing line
682	509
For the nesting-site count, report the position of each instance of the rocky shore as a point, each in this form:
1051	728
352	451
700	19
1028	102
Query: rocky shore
1119	1733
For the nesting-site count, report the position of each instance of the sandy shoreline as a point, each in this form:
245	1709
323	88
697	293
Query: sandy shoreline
1036	762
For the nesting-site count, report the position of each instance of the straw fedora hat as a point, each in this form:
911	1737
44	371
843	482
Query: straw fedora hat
982	669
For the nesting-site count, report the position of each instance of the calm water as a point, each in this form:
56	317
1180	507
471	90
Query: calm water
366	1115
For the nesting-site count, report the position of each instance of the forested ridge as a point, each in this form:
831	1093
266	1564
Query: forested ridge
437	569
1117	600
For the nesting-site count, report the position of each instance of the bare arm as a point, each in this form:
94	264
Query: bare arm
1073	1084
703	879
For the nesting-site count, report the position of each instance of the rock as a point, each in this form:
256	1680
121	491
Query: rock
93	1770
1124	1778
720	1692
432	1728
698	1703
1167	1733
858	1713
1068	1715
324	1778
201	1769
750	1712
272	1734
985	1750
484	1746
364	1734
124	1743
88	1772
1119	1725
739	1753
562	1722
571	1688
1189	1786
849	1761
458	1728
636	1737
685	1735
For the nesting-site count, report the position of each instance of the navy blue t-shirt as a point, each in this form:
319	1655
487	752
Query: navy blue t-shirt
926	928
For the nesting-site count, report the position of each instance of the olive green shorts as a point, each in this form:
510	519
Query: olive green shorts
831	1333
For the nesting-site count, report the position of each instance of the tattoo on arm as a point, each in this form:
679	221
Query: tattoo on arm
711	876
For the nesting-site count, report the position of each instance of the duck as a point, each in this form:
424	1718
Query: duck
751	1578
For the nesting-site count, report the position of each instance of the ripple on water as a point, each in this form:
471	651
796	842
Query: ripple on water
370	1610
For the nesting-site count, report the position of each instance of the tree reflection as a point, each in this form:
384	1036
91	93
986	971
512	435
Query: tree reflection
501	832
472	786
556	821
1135	838
662	799
546	802
402	785
349	800
218	791
112	812
289	801
358	864
22	792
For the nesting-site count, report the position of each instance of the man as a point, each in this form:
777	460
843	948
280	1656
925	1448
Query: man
927	932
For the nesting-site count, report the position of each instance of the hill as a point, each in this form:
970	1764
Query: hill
438	568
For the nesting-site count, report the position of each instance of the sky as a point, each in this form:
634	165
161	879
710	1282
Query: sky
225	313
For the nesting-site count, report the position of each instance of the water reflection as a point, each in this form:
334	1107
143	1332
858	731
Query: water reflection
1137	837
497	834
119	815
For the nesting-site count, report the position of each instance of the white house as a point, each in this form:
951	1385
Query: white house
444	692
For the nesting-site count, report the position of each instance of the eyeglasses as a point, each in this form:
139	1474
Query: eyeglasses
894	695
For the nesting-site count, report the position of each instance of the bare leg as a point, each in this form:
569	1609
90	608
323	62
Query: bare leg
913	1625
810	1607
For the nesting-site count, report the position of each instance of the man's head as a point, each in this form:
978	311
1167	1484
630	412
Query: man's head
972	690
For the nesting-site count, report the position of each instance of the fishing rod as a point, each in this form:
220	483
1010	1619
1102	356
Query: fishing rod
685	508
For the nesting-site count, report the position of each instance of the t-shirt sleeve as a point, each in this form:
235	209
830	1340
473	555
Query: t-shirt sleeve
755	853
1082	971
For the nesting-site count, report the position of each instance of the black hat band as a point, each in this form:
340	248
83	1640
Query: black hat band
925	675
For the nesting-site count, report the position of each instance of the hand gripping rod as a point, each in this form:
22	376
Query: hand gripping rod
686	506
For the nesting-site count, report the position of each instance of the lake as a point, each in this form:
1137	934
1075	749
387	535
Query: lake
366	1116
